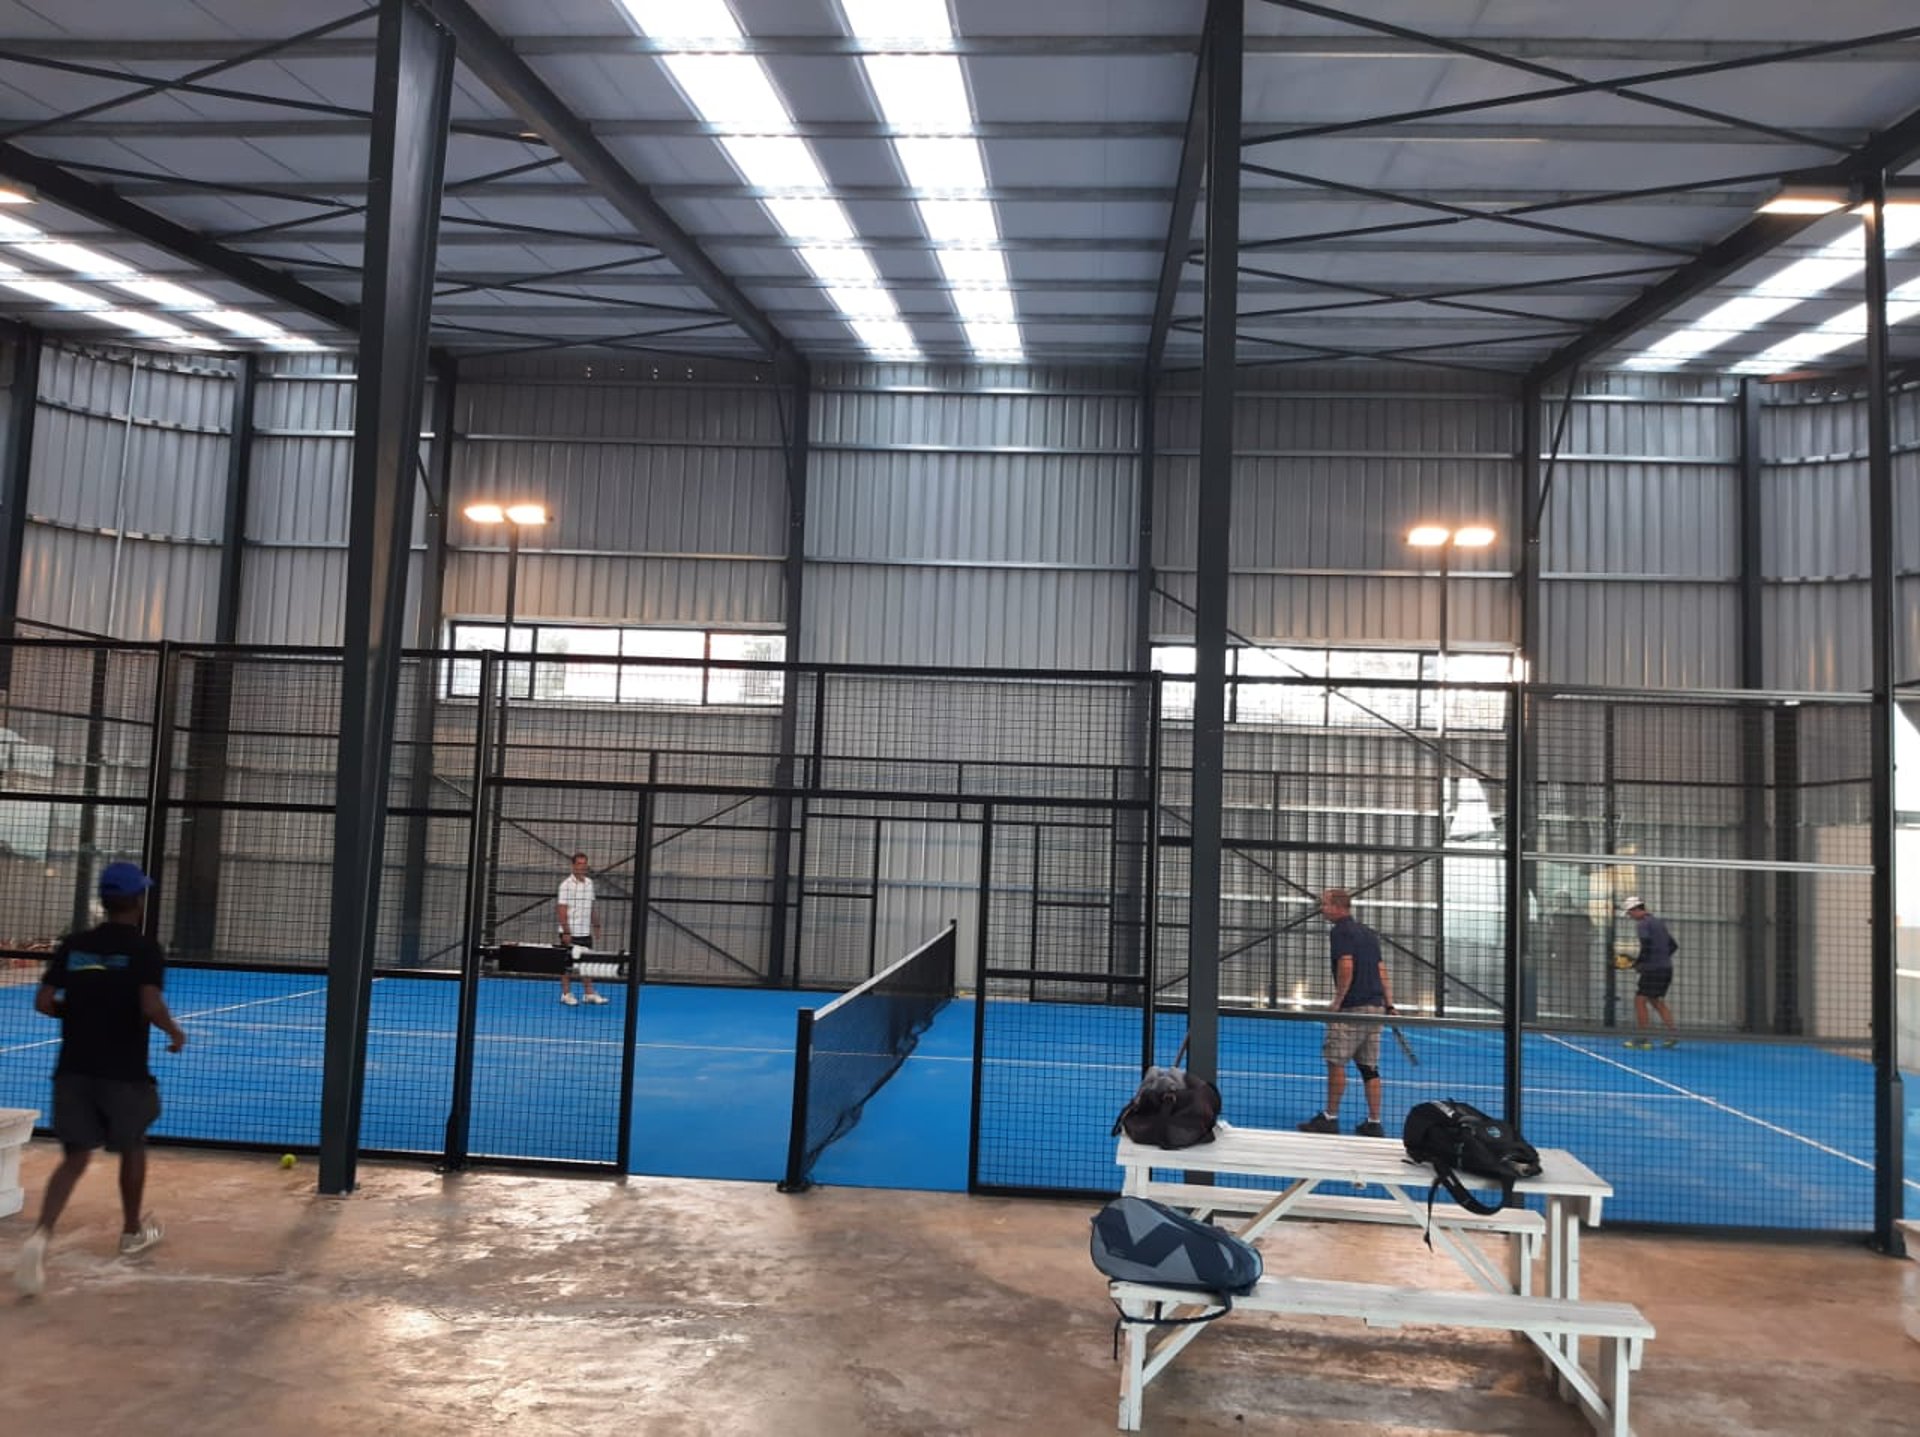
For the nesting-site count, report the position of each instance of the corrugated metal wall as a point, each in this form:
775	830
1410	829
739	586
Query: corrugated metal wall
125	492
1815	533
971	516
1639	540
294	571
668	489
1330	472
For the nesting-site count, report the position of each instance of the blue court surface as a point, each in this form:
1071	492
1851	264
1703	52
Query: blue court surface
1712	1133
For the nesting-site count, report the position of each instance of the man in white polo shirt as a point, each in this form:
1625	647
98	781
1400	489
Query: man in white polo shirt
579	927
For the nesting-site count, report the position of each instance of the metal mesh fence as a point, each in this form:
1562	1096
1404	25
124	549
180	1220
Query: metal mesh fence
1740	825
802	823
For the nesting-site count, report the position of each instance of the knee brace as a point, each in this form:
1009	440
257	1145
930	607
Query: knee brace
1367	1073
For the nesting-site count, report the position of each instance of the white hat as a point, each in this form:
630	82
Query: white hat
1633	903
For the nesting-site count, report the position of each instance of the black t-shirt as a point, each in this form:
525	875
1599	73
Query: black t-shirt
100	974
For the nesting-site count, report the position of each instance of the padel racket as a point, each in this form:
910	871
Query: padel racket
1406	1048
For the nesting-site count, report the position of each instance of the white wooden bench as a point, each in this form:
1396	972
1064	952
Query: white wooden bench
1527	1228
1621	1330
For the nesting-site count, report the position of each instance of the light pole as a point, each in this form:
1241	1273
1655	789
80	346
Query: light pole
1446	540
516	517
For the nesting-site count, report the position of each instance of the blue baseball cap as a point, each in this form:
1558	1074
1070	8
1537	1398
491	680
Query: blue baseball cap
123	880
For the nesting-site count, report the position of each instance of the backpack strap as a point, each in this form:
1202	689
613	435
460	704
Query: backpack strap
1464	1195
1222	1302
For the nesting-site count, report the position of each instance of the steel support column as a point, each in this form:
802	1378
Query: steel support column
1519	990
1222	49
1888	1114
799	436
16	464
1753	722
196	887
413	81
437	480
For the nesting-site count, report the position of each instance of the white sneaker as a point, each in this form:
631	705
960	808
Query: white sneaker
570	1000
30	1275
593	998
132	1244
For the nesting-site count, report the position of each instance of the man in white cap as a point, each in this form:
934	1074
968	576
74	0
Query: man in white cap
1655	967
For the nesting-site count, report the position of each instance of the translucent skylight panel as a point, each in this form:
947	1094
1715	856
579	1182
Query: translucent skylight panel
77	258
850	265
684	20
923	98
731	90
736	91
248	326
823	220
984	305
50	291
775	162
941	164
885	336
921	94
882	20
862	301
986	267
160	291
960	222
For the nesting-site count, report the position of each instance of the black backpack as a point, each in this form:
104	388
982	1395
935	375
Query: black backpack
1137	1240
1171	1109
1453	1137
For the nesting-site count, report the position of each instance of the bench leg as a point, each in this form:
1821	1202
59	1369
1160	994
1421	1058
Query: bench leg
1616	1368
1133	1377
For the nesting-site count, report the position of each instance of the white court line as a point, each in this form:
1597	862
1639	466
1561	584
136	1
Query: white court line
182	1018
1726	1108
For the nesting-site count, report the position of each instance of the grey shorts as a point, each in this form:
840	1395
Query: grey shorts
1353	1042
113	1113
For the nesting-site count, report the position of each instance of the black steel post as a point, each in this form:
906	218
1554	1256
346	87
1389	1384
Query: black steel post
426	637
793	571
1521	806
1225	38
196	895
982	953
1131	827
89	826
153	838
1610	841
413	77
1888	1108
1513	1016
1150	901
502	734
479	883
1753	719
16	465
638	924
1788	996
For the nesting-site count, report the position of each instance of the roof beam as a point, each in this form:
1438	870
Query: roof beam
1891	149
131	221
611	128
353	191
513	80
1185	200
1282	47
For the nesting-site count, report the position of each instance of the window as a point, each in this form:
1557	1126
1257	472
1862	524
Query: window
689	684
1343	697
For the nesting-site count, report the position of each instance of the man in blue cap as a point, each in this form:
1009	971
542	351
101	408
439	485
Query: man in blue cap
103	986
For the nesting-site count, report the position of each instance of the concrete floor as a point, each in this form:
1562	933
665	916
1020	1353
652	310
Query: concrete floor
532	1305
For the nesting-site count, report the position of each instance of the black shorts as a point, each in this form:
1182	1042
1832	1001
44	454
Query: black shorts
1654	982
113	1113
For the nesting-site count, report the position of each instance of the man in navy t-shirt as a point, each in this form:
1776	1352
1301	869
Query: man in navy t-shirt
1360	986
103	986
1655	967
